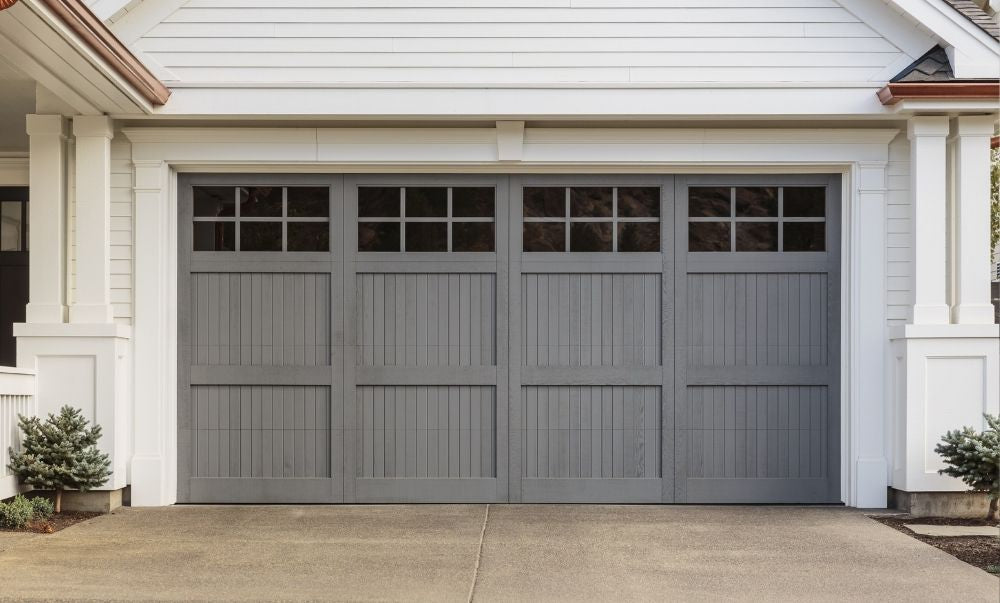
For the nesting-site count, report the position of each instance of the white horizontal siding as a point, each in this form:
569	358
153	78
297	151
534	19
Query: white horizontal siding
121	228
899	234
514	41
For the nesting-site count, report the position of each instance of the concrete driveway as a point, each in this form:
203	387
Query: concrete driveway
454	552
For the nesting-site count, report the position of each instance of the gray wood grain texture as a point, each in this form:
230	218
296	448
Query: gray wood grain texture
590	432
590	319
426	319
261	431
427	432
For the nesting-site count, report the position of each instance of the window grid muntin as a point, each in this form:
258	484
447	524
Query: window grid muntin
614	219
448	219
780	220
284	219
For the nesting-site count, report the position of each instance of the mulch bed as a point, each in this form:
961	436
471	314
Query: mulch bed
59	521
980	551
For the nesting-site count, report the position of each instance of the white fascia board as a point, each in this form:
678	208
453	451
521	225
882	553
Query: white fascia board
523	103
46	50
942	106
973	52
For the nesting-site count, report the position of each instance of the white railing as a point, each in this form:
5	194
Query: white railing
17	396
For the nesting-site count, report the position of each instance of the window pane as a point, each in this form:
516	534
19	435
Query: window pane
214	201
805	236
10	226
545	236
308	236
472	236
214	236
805	201
639	236
260	236
708	236
545	202
639	202
756	236
709	202
590	202
426	236
378	202
590	236
426	202
260	202
472	202
757	202
309	201
378	236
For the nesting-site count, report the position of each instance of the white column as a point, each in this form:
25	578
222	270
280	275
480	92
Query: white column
972	220
929	185
868	473
154	464
47	219
92	299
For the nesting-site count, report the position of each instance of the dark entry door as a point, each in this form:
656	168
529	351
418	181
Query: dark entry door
13	267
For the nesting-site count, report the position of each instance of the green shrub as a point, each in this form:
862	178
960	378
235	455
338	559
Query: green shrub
42	507
17	513
974	457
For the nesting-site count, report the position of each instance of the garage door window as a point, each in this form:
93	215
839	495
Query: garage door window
591	219
757	219
262	218
426	219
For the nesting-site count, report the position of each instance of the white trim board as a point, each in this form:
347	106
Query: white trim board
13	171
861	156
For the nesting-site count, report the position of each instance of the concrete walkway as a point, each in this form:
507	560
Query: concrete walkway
449	553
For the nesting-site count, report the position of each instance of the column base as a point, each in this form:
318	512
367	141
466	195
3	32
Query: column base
965	505
931	315
974	314
47	313
93	501
944	377
84	366
91	314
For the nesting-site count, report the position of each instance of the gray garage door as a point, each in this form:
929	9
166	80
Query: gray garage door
490	338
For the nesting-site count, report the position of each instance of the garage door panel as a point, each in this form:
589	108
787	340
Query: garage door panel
426	319
759	432
758	319
758	349
261	431
427	432
590	432
573	319
253	319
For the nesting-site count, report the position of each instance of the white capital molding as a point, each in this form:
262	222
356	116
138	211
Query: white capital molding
93	126
510	140
46	125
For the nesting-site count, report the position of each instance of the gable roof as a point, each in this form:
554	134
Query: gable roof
977	15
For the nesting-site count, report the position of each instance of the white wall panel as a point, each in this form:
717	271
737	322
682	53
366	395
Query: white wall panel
500	41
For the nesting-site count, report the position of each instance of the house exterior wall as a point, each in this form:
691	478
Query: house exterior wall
597	41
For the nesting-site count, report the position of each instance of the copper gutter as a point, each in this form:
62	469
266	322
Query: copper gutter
955	90
98	37
5	4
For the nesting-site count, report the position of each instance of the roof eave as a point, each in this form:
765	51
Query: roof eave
94	34
895	92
